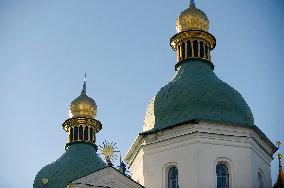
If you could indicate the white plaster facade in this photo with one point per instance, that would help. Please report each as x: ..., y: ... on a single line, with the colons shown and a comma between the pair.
x: 195, y: 149
x: 106, y: 177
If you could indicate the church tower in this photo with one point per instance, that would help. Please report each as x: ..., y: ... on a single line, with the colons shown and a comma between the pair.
x: 80, y: 158
x: 199, y: 131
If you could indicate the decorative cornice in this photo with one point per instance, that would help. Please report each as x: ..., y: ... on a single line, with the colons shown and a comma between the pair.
x: 82, y: 121
x: 257, y: 131
x: 192, y: 35
x: 200, y: 131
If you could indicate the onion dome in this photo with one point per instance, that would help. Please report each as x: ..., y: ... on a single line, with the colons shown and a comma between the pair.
x: 80, y: 157
x: 79, y: 160
x: 83, y: 106
x: 192, y: 19
x: 195, y: 93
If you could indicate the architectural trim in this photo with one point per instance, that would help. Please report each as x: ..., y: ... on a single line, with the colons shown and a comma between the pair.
x: 106, y: 177
x: 244, y: 136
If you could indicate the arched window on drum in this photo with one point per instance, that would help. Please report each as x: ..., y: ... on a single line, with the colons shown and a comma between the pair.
x: 222, y: 175
x: 173, y: 177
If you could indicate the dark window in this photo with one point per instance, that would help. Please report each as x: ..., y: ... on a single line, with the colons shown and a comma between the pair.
x: 173, y: 178
x: 195, y: 48
x: 91, y: 134
x: 86, y: 134
x: 189, y: 49
x: 71, y: 135
x: 206, y: 51
x: 222, y: 176
x: 183, y: 50
x: 201, y: 49
x: 80, y: 133
x: 75, y: 133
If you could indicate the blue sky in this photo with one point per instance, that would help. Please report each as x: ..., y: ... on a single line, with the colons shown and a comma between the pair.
x: 123, y: 46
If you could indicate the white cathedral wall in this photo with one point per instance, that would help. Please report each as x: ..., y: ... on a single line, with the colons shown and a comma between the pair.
x: 196, y: 149
x: 262, y: 167
x: 138, y: 168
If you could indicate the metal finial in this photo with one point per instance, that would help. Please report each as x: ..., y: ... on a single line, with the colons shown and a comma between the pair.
x: 192, y: 3
x: 84, y: 90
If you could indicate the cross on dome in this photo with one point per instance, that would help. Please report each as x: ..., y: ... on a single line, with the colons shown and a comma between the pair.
x: 84, y: 90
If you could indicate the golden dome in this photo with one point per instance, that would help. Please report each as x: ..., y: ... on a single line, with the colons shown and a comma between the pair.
x: 83, y: 106
x: 192, y: 19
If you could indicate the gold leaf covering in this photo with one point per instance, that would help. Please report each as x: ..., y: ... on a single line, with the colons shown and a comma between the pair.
x: 192, y: 19
x: 83, y: 106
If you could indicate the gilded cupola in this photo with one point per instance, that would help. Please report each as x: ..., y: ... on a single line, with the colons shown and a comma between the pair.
x: 192, y: 18
x: 82, y: 125
x: 193, y: 41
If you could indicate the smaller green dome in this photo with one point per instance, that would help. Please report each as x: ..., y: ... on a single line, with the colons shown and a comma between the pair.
x: 79, y: 160
x: 196, y: 93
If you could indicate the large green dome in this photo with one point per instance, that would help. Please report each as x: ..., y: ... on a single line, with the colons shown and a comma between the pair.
x: 80, y: 159
x: 196, y: 93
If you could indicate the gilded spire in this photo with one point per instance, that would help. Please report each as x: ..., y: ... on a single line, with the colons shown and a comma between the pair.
x: 83, y: 106
x: 84, y: 90
x: 280, y: 180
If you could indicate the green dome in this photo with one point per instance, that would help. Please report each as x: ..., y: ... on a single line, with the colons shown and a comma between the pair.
x: 196, y: 93
x: 79, y: 160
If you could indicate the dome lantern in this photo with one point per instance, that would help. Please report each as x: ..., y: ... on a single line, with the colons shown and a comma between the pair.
x: 193, y: 41
x: 82, y: 125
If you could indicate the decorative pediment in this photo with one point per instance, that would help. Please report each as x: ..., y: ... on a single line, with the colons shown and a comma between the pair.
x: 106, y: 177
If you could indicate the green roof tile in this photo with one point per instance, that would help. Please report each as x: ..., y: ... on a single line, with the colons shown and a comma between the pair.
x: 197, y: 93
x: 79, y: 160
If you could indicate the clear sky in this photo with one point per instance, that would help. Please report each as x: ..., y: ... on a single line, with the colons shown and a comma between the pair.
x: 123, y: 46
